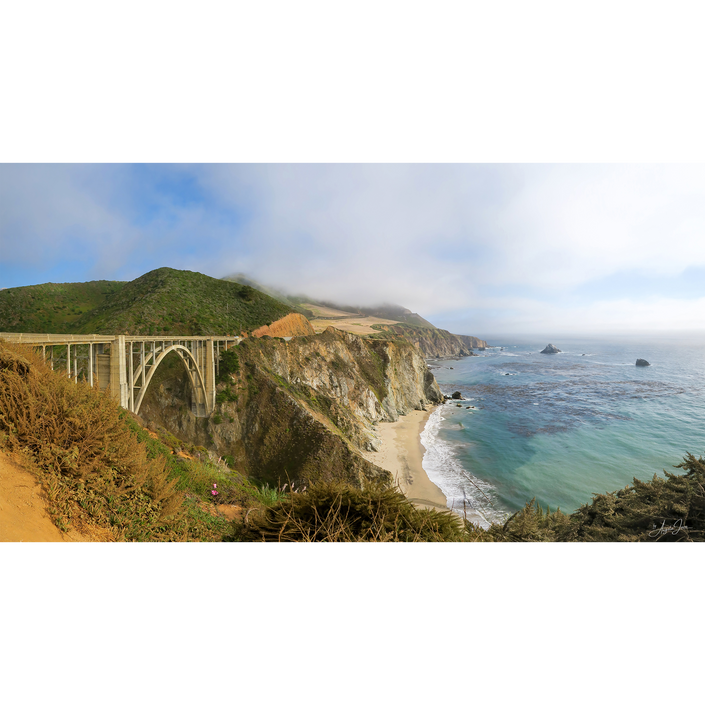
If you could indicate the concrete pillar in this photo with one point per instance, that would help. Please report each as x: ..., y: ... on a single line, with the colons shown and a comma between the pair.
x: 209, y: 376
x: 131, y: 380
x: 118, y: 371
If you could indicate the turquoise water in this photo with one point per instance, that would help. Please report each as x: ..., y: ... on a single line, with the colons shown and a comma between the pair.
x: 562, y: 427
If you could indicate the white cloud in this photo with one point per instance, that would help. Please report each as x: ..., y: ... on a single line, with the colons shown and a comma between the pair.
x: 50, y: 213
x: 508, y: 243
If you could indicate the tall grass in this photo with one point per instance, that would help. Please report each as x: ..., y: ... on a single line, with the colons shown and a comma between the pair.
x: 89, y: 460
x: 333, y: 511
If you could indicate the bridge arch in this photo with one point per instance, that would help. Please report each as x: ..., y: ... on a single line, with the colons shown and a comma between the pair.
x: 185, y: 355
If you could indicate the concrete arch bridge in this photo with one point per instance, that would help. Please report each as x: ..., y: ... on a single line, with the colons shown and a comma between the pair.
x: 125, y: 364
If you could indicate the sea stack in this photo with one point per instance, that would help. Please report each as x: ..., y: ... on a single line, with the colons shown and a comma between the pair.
x: 642, y: 363
x: 550, y: 348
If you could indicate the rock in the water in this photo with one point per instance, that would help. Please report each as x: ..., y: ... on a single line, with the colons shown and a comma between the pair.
x: 456, y: 395
x: 550, y: 348
x: 642, y: 363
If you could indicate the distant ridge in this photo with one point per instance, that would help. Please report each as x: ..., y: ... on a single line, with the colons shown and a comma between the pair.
x: 431, y: 341
x: 393, y: 312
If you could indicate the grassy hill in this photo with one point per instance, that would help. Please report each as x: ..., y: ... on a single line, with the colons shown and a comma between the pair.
x: 292, y: 301
x: 52, y: 308
x: 162, y: 301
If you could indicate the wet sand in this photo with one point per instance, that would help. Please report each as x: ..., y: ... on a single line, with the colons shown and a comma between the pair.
x: 402, y: 454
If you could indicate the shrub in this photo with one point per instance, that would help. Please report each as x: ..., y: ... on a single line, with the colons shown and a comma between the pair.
x: 332, y: 511
x: 86, y: 454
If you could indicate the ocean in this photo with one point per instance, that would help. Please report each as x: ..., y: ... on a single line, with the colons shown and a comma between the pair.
x: 564, y: 426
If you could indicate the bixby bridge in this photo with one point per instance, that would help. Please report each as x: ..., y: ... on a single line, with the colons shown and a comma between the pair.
x: 125, y: 364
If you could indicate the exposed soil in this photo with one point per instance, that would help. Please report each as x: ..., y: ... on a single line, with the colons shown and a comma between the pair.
x: 23, y: 510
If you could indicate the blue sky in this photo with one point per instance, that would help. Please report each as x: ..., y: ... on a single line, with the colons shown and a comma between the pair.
x: 487, y: 250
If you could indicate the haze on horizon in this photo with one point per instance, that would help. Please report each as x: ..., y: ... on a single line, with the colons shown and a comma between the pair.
x: 486, y: 250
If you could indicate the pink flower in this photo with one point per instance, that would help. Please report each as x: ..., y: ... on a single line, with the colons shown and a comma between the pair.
x: 214, y: 485
x: 214, y: 492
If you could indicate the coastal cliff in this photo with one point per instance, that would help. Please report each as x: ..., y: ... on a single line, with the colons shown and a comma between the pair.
x: 301, y: 409
x: 435, y: 342
x: 472, y: 342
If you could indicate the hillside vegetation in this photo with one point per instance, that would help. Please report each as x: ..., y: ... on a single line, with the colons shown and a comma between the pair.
x: 52, y: 308
x: 292, y: 301
x: 159, y: 302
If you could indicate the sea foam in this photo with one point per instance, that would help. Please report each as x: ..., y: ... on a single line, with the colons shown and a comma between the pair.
x: 466, y: 494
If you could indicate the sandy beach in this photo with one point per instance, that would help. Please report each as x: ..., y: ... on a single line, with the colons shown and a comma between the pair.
x: 401, y: 453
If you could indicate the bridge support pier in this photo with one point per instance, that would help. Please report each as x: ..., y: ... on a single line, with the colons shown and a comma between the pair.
x: 118, y: 372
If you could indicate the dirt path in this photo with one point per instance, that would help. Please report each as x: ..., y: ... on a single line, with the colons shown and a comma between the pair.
x: 23, y: 509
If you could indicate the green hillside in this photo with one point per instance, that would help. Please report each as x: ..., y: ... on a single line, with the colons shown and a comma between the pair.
x: 52, y: 308
x: 162, y: 301
x: 278, y: 294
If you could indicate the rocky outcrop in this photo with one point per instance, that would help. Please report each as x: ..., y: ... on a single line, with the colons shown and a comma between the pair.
x: 436, y: 342
x: 642, y: 363
x: 301, y: 409
x: 472, y: 342
x: 550, y: 348
x: 291, y: 325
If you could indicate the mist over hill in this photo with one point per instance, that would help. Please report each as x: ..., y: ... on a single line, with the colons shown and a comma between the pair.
x: 430, y: 340
x: 394, y: 312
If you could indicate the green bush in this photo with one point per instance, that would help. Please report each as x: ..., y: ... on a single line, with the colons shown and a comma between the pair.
x: 78, y: 440
x: 332, y: 511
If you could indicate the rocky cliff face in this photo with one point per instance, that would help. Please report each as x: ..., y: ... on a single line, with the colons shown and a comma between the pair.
x: 437, y: 342
x: 300, y: 409
x: 472, y: 342
x: 291, y: 325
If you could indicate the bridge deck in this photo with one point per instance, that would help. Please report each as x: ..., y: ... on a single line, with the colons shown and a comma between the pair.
x: 62, y: 339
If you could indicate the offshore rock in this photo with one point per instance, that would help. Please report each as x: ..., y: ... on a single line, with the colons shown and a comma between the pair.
x: 456, y: 395
x: 550, y: 348
x: 642, y: 363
